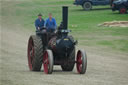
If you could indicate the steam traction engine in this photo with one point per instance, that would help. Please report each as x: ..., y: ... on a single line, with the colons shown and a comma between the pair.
x: 58, y: 50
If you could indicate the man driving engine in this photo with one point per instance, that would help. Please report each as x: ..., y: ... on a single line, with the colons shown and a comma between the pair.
x: 39, y: 22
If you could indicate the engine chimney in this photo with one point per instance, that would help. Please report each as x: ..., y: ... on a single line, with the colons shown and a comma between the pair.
x: 65, y: 17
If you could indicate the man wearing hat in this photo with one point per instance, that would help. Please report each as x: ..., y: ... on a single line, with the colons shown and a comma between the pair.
x: 39, y: 22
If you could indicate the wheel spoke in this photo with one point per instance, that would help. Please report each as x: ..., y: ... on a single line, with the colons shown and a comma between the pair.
x: 80, y: 67
x: 32, y: 51
x: 32, y: 54
x: 46, y: 62
x: 80, y: 61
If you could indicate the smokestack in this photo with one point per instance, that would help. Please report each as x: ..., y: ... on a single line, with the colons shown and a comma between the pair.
x: 65, y: 17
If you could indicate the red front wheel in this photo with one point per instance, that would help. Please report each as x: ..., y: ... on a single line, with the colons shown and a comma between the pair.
x: 81, y: 64
x: 48, y: 62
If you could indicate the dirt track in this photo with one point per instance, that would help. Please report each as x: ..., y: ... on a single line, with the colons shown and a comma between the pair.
x: 104, y: 67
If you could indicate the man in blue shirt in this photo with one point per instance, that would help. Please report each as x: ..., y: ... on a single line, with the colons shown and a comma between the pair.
x: 50, y: 23
x: 39, y: 22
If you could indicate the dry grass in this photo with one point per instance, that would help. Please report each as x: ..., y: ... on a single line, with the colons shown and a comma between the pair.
x: 115, y: 24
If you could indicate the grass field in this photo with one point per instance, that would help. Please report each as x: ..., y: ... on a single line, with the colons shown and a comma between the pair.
x: 84, y: 24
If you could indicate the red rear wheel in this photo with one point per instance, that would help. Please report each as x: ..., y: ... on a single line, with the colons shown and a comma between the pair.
x: 81, y: 62
x: 48, y: 61
x: 35, y: 56
x: 30, y: 53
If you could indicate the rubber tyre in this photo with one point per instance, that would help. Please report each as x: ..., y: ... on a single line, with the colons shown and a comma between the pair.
x: 81, y: 64
x: 123, y: 10
x: 35, y: 62
x: 48, y: 62
x: 87, y: 6
x: 69, y: 66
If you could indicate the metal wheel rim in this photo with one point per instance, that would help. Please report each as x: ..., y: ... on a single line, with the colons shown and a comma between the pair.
x: 123, y: 10
x: 30, y: 54
x: 46, y: 62
x: 79, y: 62
x: 87, y: 6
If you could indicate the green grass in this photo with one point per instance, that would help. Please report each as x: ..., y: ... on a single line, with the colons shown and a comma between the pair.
x: 84, y: 24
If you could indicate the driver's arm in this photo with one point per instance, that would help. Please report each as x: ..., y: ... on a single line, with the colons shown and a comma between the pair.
x: 36, y: 25
x: 55, y: 25
x: 43, y: 27
x: 45, y: 23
